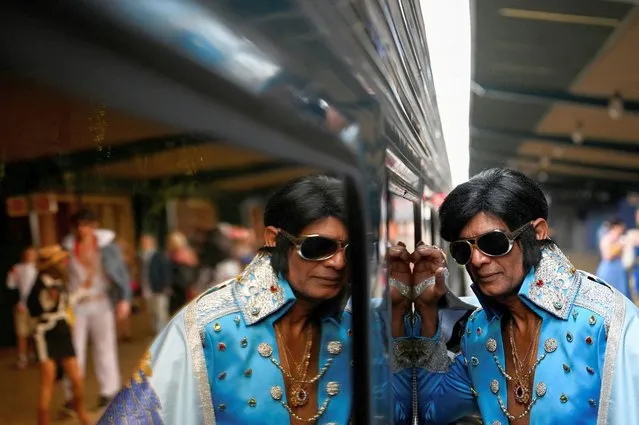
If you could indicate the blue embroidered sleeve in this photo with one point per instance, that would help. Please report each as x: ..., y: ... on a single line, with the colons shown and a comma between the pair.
x: 444, y: 388
x: 403, y: 393
x: 163, y: 389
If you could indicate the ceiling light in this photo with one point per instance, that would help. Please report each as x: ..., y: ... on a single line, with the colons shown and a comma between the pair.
x: 615, y: 106
x: 542, y: 177
x: 563, y: 18
x: 578, y: 135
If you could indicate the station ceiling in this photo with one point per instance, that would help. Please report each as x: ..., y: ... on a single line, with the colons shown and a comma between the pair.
x: 544, y: 75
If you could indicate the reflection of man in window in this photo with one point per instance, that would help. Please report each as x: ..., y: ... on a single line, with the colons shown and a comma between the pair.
x: 549, y: 345
x: 271, y: 346
x: 96, y: 264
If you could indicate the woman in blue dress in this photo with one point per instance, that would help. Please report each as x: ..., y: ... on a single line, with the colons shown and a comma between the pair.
x: 611, y: 268
x: 631, y: 260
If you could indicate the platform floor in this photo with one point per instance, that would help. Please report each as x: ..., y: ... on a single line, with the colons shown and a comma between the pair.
x: 20, y: 387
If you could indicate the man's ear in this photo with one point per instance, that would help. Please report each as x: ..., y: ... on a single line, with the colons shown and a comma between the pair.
x: 541, y: 229
x: 270, y: 236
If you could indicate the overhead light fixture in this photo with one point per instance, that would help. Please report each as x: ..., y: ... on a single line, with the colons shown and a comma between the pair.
x: 562, y: 18
x: 615, y: 106
x: 578, y: 135
x: 542, y: 177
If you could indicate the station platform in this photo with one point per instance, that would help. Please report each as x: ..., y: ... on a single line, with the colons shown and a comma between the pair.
x: 21, y: 387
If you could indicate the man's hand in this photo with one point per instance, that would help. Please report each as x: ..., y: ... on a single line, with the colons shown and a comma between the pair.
x: 429, y: 261
x: 399, y: 269
x: 122, y: 310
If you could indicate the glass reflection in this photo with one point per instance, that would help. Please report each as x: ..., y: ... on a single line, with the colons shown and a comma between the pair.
x: 151, y: 218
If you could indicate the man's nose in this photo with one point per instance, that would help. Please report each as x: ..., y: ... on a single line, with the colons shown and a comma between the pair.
x: 478, y: 258
x: 337, y: 261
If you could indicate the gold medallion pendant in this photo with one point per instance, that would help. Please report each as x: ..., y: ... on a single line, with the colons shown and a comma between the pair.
x: 299, y: 396
x: 521, y: 393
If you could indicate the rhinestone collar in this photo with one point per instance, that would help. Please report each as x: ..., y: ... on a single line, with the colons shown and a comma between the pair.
x: 552, y: 286
x: 261, y: 293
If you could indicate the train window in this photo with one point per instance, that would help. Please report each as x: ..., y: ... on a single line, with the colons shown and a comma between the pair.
x: 74, y: 166
x: 426, y: 224
x: 401, y: 225
x: 168, y: 127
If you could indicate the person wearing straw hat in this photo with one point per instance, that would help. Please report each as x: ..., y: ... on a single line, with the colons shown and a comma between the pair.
x: 50, y: 303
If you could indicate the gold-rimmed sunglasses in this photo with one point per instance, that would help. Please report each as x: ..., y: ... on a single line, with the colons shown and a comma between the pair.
x: 495, y: 243
x: 315, y: 247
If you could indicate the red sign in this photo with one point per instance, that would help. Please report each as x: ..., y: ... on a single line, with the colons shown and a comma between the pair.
x: 44, y: 203
x: 17, y: 206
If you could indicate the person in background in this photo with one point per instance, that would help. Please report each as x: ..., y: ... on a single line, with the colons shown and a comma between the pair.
x: 50, y: 304
x: 123, y: 324
x: 630, y: 259
x: 96, y: 263
x: 602, y: 230
x: 147, y: 249
x: 229, y: 267
x: 159, y: 275
x: 213, y: 250
x: 611, y: 268
x: 22, y: 278
x: 184, y: 269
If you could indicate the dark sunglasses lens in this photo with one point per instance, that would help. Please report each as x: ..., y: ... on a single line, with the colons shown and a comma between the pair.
x: 460, y: 252
x: 495, y: 243
x: 318, y: 247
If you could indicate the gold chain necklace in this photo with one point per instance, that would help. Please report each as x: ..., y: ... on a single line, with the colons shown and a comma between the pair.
x: 522, y: 378
x: 298, y: 392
